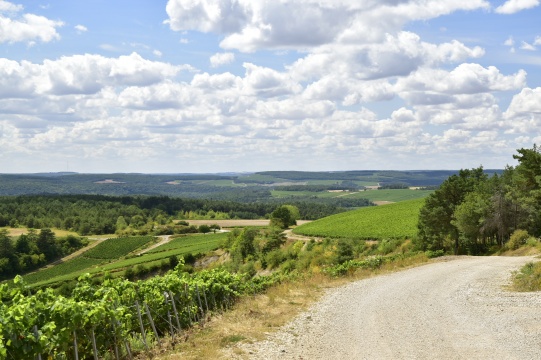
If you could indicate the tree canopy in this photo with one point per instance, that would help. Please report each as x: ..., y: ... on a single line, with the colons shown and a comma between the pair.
x: 471, y: 212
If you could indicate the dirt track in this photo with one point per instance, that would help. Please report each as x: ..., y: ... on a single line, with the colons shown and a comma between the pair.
x: 446, y: 310
x: 237, y: 223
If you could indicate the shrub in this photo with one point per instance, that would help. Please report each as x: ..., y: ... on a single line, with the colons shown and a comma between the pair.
x: 433, y: 254
x: 129, y: 273
x: 274, y: 258
x: 518, y: 238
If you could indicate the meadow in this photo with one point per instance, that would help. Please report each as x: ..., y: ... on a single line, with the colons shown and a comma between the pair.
x: 392, y: 221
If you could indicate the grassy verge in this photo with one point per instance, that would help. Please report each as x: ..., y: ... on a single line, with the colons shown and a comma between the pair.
x: 253, y: 317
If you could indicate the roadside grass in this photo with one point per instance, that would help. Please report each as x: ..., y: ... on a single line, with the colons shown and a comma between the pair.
x: 528, y: 278
x: 253, y: 317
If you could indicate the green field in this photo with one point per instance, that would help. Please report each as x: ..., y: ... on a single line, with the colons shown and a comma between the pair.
x: 392, y: 195
x: 397, y: 220
x: 110, y: 255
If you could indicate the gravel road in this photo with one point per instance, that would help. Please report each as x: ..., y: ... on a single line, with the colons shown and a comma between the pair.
x: 447, y: 310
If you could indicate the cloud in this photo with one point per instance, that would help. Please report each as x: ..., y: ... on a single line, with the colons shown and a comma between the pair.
x: 26, y: 27
x: 514, y: 6
x: 395, y: 56
x: 528, y: 47
x: 464, y: 79
x: 509, y: 42
x: 528, y: 101
x: 220, y: 59
x: 250, y: 25
x: 6, y: 6
x: 523, y: 116
x: 79, y: 74
x: 81, y: 29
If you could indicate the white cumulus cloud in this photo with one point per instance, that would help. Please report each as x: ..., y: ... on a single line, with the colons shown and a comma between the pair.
x: 15, y: 27
x: 514, y: 6
x: 249, y: 25
x: 220, y: 59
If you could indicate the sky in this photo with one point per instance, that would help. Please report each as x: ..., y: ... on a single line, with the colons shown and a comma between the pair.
x: 208, y: 86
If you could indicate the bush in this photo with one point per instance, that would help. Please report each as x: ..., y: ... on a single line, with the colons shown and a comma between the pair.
x: 518, y: 238
x: 129, y: 273
x: 274, y: 258
x: 433, y: 254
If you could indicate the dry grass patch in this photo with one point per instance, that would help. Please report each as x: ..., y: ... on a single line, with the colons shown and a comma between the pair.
x: 23, y: 230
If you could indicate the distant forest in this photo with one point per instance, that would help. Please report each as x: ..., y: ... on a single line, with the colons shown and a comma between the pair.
x: 98, y: 214
x: 239, y: 188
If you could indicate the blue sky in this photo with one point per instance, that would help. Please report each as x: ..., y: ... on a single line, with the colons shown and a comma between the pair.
x: 250, y: 85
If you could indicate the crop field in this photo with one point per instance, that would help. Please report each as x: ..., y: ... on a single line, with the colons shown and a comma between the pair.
x: 109, y: 256
x: 115, y: 248
x: 71, y: 267
x: 319, y: 194
x: 196, y: 243
x: 106, y: 251
x: 392, y: 195
x: 391, y: 221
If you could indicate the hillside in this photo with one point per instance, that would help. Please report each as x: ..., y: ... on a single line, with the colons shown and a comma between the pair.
x: 398, y: 220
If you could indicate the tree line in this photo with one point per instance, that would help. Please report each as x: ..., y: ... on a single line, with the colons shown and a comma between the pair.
x: 33, y: 250
x: 472, y: 212
x: 98, y: 214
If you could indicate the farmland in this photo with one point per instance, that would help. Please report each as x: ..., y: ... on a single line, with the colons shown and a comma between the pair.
x: 391, y: 195
x: 113, y: 255
x: 397, y: 220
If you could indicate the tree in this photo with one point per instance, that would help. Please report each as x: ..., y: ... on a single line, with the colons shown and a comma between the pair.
x: 282, y: 217
x: 244, y: 245
x: 526, y: 189
x: 204, y: 228
x: 46, y: 243
x: 437, y: 216
x: 8, y: 259
x: 274, y: 238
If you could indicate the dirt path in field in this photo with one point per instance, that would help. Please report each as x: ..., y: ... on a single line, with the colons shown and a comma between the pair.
x: 447, y: 310
x: 164, y: 239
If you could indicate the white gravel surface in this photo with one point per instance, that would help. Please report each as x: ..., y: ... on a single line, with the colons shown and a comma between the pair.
x: 447, y: 310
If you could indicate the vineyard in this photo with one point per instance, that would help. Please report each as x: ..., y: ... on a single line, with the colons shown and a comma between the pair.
x: 105, y: 251
x: 111, y: 256
x: 114, y: 320
x: 391, y: 221
x: 193, y: 243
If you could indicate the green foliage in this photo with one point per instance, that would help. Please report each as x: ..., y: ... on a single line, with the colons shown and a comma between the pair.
x: 381, y: 222
x: 44, y: 323
x: 517, y: 239
x: 476, y: 213
x: 434, y: 254
x: 284, y: 216
x: 33, y: 250
x: 437, y: 215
